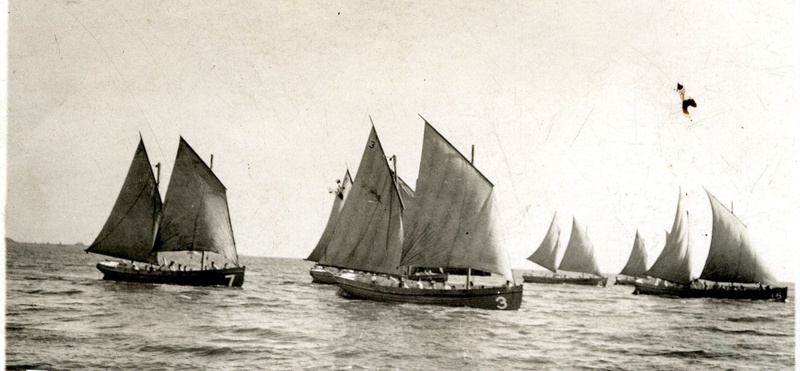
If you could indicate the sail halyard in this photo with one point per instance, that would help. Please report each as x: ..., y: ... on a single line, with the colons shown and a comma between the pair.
x: 128, y: 231
x: 549, y: 253
x: 452, y: 221
x: 637, y: 261
x: 579, y: 255
x: 338, y: 202
x: 731, y: 255
x: 674, y: 262
x: 369, y: 233
x: 195, y: 215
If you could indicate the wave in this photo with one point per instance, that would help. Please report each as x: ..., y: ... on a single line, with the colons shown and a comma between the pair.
x: 52, y: 292
x: 195, y: 350
x: 750, y: 319
x: 742, y: 331
x: 690, y: 354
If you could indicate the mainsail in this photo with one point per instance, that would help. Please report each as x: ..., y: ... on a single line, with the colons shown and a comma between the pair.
x: 452, y: 222
x: 674, y: 263
x: 549, y: 253
x: 196, y: 216
x: 731, y: 257
x: 128, y: 232
x: 579, y: 256
x: 637, y: 262
x: 369, y: 234
x: 338, y: 202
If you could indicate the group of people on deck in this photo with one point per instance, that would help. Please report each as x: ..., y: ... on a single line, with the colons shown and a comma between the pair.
x: 171, y: 267
x: 403, y: 282
x: 698, y: 285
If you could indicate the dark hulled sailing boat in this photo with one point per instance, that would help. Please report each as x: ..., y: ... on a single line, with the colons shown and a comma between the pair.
x: 732, y: 260
x: 368, y: 236
x: 450, y: 224
x: 195, y: 217
x: 320, y: 273
x: 578, y: 257
x: 636, y: 265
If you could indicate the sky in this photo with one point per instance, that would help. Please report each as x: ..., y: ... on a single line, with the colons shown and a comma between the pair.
x: 571, y: 107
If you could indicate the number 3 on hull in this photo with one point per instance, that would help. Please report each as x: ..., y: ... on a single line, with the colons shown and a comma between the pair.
x: 501, y: 303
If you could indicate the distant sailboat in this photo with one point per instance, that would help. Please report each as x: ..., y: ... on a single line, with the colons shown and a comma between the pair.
x: 636, y: 265
x: 578, y: 257
x: 731, y: 259
x: 194, y: 218
x: 320, y: 273
x: 451, y: 224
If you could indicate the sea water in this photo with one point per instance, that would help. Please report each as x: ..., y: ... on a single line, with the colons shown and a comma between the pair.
x: 60, y: 314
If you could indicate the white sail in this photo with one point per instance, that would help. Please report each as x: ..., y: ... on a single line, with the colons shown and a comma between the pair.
x: 674, y: 263
x: 452, y: 222
x: 549, y: 253
x: 637, y: 262
x: 129, y: 230
x: 338, y: 202
x: 196, y: 216
x: 732, y: 257
x: 579, y: 256
x: 369, y: 234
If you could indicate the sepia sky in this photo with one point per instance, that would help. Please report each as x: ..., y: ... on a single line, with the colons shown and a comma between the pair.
x: 570, y: 105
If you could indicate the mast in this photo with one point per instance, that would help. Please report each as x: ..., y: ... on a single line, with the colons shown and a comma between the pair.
x: 471, y: 161
x: 203, y: 253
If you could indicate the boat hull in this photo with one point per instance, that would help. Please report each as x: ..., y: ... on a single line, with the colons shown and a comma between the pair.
x: 497, y: 297
x: 776, y: 293
x: 233, y: 277
x: 587, y: 281
x: 322, y: 276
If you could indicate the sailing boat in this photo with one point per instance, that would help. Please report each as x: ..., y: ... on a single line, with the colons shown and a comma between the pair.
x: 578, y: 257
x: 451, y: 224
x: 368, y: 236
x: 320, y: 273
x: 731, y: 259
x: 195, y: 217
x: 636, y: 265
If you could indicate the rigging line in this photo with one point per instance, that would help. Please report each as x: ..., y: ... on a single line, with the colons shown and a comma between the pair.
x: 582, y: 125
x: 125, y: 82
